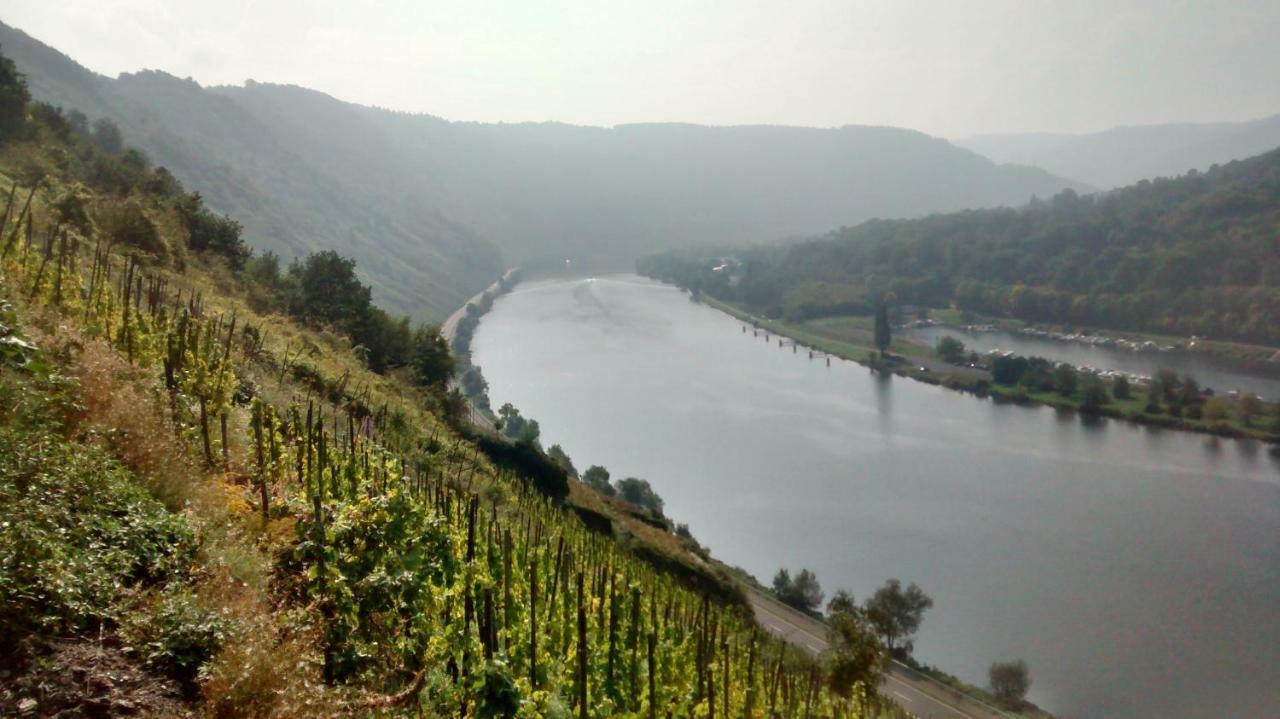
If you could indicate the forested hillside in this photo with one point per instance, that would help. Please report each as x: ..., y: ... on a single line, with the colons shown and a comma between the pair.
x: 234, y: 489
x: 292, y: 195
x: 1195, y: 255
x: 1125, y: 155
x: 418, y: 200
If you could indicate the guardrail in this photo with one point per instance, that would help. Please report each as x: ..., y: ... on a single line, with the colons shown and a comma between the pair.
x: 921, y: 676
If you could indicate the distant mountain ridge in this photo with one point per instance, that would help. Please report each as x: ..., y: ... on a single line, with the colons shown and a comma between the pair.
x: 417, y: 262
x: 432, y: 209
x: 1125, y: 155
x: 1194, y: 255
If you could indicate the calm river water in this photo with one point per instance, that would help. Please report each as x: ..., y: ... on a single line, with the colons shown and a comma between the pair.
x: 1136, y: 570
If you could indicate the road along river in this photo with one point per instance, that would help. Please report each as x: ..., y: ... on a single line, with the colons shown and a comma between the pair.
x: 1136, y: 570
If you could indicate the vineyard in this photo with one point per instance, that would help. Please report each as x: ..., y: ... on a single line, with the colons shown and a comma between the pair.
x: 418, y: 569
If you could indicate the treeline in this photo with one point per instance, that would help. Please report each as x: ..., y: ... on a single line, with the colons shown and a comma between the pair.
x: 323, y: 290
x: 426, y: 592
x: 117, y: 193
x: 1193, y: 255
x: 411, y: 568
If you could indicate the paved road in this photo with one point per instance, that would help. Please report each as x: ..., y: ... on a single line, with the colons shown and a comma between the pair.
x: 450, y: 325
x: 920, y: 696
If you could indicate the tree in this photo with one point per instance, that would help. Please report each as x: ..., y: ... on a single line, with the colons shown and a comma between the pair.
x: 1120, y: 388
x: 1189, y: 391
x: 474, y: 383
x: 638, y: 492
x: 1215, y: 410
x: 1094, y: 396
x: 597, y: 478
x: 1166, y: 381
x: 388, y: 341
x: 106, y: 135
x: 1009, y: 682
x: 854, y: 655
x: 208, y: 232
x: 264, y: 269
x: 430, y: 359
x: 71, y: 210
x: 842, y: 601
x: 1250, y: 407
x: 327, y: 290
x: 1008, y: 370
x: 883, y: 332
x: 127, y: 224
x: 950, y: 349
x: 1154, y: 394
x: 78, y: 122
x: 803, y: 592
x: 521, y: 429
x: 162, y: 183
x: 557, y: 454
x: 14, y: 97
x: 1065, y: 379
x: 897, y: 613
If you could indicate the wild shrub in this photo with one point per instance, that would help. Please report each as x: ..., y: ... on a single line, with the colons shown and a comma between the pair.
x: 177, y: 634
x: 76, y: 533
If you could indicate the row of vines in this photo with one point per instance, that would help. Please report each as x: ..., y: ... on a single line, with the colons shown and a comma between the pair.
x: 446, y: 582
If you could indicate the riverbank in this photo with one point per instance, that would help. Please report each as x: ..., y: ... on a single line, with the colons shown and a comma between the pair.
x: 926, y: 692
x: 926, y: 486
x: 483, y: 299
x: 458, y: 331
x: 920, y: 362
x: 1241, y: 355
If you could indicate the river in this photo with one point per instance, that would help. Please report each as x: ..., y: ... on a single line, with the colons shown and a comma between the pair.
x: 1208, y: 371
x: 1136, y: 570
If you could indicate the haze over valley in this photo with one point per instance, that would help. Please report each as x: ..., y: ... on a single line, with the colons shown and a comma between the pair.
x: 539, y: 360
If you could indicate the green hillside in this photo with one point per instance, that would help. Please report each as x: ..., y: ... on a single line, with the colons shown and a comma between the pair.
x: 1194, y: 255
x: 292, y: 197
x: 232, y: 489
x: 421, y: 202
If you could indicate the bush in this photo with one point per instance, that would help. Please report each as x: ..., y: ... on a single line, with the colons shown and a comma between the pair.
x: 1009, y: 682
x: 177, y: 636
x: 126, y: 223
x: 950, y: 349
x: 803, y: 592
x: 1094, y: 396
x: 597, y: 478
x: 208, y: 232
x: 385, y: 557
x: 76, y: 533
x: 639, y: 493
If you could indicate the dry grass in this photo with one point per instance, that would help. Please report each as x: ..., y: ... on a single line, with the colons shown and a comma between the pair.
x: 268, y: 666
x: 271, y: 665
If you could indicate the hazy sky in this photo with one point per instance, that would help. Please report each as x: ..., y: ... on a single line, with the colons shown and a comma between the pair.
x: 951, y: 67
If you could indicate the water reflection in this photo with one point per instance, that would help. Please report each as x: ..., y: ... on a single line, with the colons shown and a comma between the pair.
x: 1094, y: 422
x: 1134, y: 567
x: 883, y: 381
